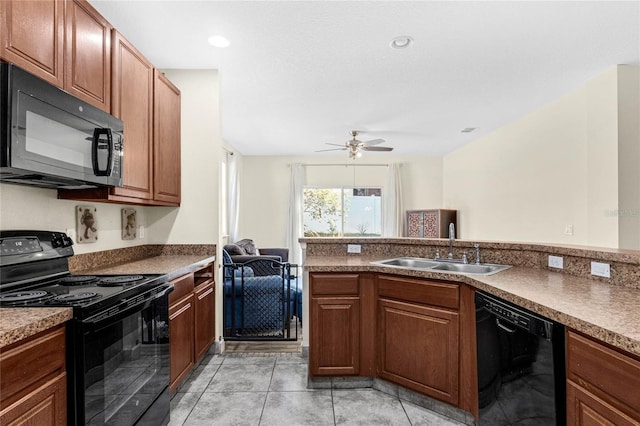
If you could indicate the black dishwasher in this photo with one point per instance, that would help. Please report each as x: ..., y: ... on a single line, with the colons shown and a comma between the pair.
x: 521, y: 365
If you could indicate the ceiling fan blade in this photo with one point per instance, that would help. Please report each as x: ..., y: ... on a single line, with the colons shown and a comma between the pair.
x: 377, y: 148
x: 332, y: 149
x: 373, y: 142
x: 335, y: 144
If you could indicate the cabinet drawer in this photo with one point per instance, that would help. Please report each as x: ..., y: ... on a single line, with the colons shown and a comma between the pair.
x: 600, y: 369
x: 31, y: 361
x: 181, y: 287
x: 334, y: 284
x: 424, y: 292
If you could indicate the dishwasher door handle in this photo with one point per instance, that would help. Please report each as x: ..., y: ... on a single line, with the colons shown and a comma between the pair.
x: 504, y: 327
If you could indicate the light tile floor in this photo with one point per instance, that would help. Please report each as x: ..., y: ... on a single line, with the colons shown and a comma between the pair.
x: 272, y: 390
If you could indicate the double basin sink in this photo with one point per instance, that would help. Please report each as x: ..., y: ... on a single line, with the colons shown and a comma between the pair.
x: 442, y: 265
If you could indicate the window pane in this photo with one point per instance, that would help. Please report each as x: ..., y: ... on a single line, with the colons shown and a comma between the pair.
x: 362, y: 212
x: 322, y: 212
x: 334, y: 212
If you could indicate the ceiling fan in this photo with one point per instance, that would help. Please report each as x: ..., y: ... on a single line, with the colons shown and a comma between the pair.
x: 355, y: 146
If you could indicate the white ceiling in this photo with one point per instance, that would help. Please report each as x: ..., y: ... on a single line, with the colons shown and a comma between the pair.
x: 299, y: 74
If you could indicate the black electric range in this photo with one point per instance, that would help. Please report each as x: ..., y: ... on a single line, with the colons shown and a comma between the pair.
x: 117, y: 340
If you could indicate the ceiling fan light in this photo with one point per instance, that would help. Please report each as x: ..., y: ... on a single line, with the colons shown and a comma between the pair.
x: 359, y: 154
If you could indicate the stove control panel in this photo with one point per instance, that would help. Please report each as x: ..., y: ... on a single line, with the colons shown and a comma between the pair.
x: 15, y: 245
x: 22, y: 247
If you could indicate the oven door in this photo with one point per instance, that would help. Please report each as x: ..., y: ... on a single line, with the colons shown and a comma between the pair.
x: 125, y: 361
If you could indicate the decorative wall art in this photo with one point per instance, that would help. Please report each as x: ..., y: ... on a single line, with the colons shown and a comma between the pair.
x: 129, y: 224
x: 86, y: 224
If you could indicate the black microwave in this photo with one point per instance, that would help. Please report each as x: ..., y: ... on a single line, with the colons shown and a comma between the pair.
x: 51, y: 139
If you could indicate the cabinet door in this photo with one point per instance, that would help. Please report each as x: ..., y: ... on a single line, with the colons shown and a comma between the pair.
x: 45, y: 405
x: 181, y: 339
x: 334, y: 347
x: 87, y: 54
x: 166, y: 136
x: 32, y: 34
x: 418, y: 348
x: 205, y: 318
x: 132, y: 102
x: 586, y: 409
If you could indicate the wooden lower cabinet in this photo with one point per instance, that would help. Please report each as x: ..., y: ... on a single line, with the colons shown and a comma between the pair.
x: 602, y: 384
x: 417, y: 333
x: 340, y: 345
x: 191, y: 322
x: 181, y: 349
x: 204, y: 299
x: 33, y: 385
x: 335, y: 336
x: 418, y: 348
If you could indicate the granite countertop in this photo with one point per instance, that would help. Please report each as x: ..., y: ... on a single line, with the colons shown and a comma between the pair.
x: 173, y: 266
x: 610, y: 313
x: 19, y: 323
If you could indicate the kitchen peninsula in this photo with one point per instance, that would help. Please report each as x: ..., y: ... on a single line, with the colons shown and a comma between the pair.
x: 599, y: 314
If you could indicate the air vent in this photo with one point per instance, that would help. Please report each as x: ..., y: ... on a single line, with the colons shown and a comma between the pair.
x: 467, y: 130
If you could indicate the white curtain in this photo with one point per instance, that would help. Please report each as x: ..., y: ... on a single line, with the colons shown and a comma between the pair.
x: 392, y: 209
x: 294, y: 228
x: 233, y: 194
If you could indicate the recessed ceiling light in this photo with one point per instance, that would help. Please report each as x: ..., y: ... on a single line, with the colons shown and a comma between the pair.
x: 467, y: 130
x: 401, y: 42
x: 218, y: 41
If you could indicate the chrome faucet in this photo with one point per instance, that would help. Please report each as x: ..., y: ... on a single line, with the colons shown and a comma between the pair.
x: 477, y: 247
x: 452, y: 236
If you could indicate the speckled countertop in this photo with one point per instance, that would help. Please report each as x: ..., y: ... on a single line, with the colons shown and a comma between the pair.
x: 606, y: 312
x: 19, y: 323
x: 171, y: 265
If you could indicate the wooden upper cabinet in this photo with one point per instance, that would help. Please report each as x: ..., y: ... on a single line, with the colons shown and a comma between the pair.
x: 32, y: 34
x: 88, y: 54
x: 67, y: 43
x: 166, y: 135
x: 132, y: 102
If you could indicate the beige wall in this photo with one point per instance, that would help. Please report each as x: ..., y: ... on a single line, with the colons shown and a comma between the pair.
x: 629, y: 156
x: 558, y: 166
x: 265, y: 184
x: 22, y: 207
x: 196, y: 221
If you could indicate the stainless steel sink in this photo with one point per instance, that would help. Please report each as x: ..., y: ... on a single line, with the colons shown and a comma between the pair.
x: 442, y: 265
x: 409, y: 262
x: 471, y: 268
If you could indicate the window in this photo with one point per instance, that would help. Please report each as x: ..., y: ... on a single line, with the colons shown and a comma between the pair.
x: 342, y: 212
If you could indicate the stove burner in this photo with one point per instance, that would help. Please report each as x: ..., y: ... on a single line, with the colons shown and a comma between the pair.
x: 75, y: 297
x: 119, y: 280
x: 22, y: 296
x: 78, y: 279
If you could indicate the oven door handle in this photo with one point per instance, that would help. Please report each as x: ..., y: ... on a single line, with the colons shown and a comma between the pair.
x: 123, y: 310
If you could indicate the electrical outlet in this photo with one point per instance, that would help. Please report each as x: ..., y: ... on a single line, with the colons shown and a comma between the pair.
x: 354, y: 248
x: 141, y: 232
x: 556, y: 262
x: 601, y: 269
x: 568, y: 230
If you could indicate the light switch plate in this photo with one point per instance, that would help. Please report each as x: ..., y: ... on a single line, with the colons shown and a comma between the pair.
x: 354, y: 248
x: 601, y: 269
x: 556, y: 262
x: 141, y: 231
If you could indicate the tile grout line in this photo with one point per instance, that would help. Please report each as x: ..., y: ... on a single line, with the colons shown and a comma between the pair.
x: 333, y: 408
x: 266, y: 396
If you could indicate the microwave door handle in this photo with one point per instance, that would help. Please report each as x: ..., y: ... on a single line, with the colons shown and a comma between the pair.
x: 94, y: 151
